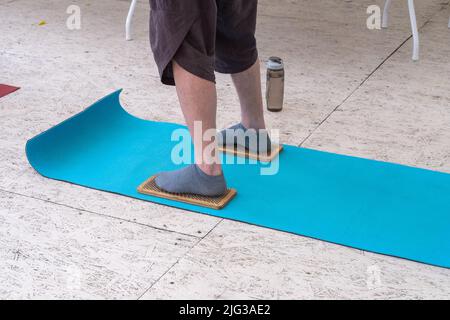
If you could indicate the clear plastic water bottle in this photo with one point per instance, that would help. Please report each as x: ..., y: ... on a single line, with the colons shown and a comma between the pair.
x: 275, y: 84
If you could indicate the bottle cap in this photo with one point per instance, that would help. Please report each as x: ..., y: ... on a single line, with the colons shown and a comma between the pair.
x: 275, y: 63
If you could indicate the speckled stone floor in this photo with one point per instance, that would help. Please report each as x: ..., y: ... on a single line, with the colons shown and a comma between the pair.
x: 349, y: 90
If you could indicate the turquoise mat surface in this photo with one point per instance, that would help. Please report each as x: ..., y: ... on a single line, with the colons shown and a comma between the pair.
x: 370, y: 205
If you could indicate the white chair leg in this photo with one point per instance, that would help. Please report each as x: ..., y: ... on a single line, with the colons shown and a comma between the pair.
x: 129, y: 18
x: 415, y: 31
x: 387, y: 6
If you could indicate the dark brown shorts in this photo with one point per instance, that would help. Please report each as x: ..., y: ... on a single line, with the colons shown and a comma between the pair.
x: 203, y: 36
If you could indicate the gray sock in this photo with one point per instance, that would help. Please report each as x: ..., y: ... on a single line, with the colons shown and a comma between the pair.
x: 256, y: 141
x: 191, y: 179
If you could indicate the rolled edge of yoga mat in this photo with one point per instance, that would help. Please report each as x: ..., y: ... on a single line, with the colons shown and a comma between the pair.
x: 37, y: 148
x: 364, y: 204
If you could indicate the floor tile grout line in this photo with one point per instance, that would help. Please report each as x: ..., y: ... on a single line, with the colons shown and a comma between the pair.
x: 218, y: 222
x: 179, y: 259
x: 352, y: 92
x: 364, y: 81
x: 101, y: 214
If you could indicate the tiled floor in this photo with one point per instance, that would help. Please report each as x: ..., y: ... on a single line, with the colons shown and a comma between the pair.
x: 349, y: 90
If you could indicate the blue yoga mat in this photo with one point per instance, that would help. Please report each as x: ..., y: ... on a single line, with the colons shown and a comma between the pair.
x: 370, y: 205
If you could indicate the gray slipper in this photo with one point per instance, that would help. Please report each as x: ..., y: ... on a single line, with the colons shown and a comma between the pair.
x: 193, y: 180
x: 255, y: 141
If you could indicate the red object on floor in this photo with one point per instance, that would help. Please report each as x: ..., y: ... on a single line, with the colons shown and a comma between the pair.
x: 5, y: 89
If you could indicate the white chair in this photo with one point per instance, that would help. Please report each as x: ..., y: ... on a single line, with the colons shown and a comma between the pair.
x: 412, y: 17
x: 129, y: 18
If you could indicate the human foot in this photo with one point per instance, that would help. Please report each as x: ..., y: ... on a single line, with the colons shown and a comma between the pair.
x: 191, y: 179
x: 240, y: 135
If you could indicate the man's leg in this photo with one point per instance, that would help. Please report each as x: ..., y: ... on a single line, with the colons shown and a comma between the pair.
x: 248, y: 87
x: 183, y: 49
x: 237, y: 54
x: 198, y: 100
